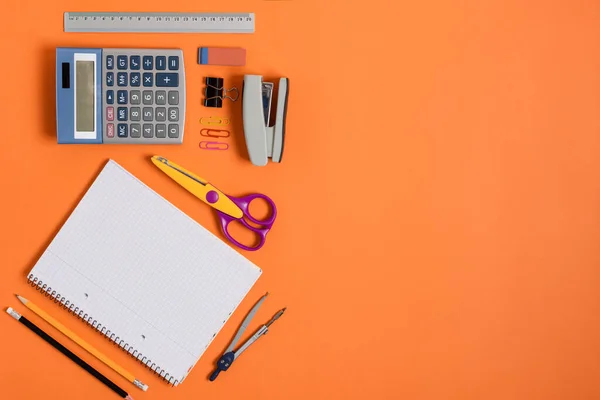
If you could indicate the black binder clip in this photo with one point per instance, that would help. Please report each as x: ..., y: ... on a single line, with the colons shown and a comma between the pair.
x: 215, y: 92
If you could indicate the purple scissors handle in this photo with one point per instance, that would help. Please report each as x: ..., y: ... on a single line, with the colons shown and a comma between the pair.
x: 244, y: 204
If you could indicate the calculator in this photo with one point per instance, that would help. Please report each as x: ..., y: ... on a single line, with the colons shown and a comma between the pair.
x: 120, y: 96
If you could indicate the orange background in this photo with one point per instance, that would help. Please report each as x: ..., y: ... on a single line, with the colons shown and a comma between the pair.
x: 439, y: 198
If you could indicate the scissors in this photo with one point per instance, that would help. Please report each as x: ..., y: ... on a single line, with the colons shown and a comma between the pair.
x: 228, y: 208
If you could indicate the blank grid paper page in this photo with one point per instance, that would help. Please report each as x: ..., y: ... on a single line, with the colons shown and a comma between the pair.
x: 134, y: 263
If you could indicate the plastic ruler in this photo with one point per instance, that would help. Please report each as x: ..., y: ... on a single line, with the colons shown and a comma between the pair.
x: 159, y: 22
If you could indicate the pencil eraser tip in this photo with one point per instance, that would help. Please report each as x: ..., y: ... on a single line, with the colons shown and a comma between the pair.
x: 13, y: 313
x: 140, y: 384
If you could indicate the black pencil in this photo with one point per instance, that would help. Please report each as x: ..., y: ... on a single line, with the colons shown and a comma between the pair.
x: 68, y: 353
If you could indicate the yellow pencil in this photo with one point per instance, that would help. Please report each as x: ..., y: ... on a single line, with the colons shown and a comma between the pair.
x: 88, y: 347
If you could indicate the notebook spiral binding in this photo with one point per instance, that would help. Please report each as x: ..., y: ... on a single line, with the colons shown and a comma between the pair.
x: 88, y: 319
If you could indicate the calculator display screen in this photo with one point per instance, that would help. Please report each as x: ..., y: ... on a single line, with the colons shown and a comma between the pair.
x: 85, y: 96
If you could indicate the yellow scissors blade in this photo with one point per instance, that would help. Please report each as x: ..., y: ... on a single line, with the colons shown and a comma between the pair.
x: 199, y: 187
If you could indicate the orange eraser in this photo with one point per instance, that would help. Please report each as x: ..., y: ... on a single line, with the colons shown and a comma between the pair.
x: 221, y: 56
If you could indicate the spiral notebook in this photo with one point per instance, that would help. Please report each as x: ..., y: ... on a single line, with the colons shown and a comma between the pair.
x: 144, y: 274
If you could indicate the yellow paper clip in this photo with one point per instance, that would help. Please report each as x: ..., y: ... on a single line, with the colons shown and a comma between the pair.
x: 213, y: 146
x: 214, y: 121
x: 215, y: 133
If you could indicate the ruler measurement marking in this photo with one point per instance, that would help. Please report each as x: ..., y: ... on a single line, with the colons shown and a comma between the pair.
x: 159, y: 22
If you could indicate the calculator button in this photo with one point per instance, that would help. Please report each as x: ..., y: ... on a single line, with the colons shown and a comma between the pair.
x: 173, y: 114
x: 134, y: 62
x: 110, y: 97
x: 161, y: 62
x: 110, y: 62
x: 110, y: 130
x: 134, y: 79
x: 110, y: 113
x: 122, y: 113
x: 147, y: 97
x: 161, y: 114
x: 122, y: 62
x: 170, y: 79
x: 173, y: 130
x: 135, y: 97
x: 122, y: 78
x: 110, y: 78
x: 122, y: 130
x: 161, y: 97
x: 122, y: 96
x: 161, y: 131
x: 173, y: 97
x: 148, y: 62
x: 136, y: 130
x: 148, y: 79
x: 173, y: 63
x: 148, y: 130
x: 147, y: 113
x: 135, y: 114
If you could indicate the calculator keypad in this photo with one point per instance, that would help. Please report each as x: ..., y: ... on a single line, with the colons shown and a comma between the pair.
x: 161, y: 131
x: 122, y: 62
x: 161, y: 63
x: 122, y: 130
x: 144, y: 96
x: 122, y: 96
x: 135, y: 79
x: 148, y: 79
x: 134, y: 62
x: 136, y: 131
x: 161, y: 114
x: 136, y: 97
x: 122, y: 78
x: 135, y: 113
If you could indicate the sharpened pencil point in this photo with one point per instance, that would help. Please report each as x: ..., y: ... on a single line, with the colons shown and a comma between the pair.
x: 128, y: 397
x: 22, y: 299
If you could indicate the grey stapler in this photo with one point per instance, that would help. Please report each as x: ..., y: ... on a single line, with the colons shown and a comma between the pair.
x: 264, y: 141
